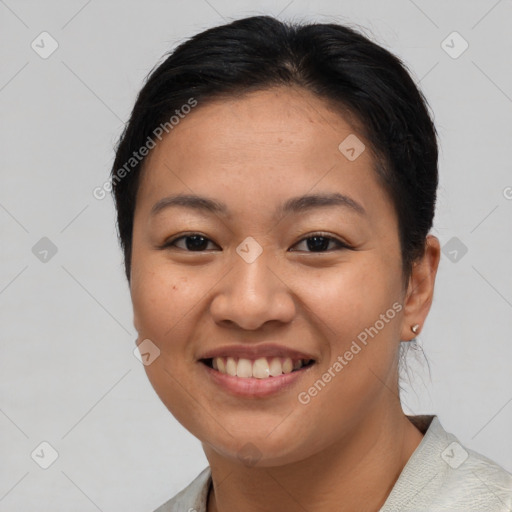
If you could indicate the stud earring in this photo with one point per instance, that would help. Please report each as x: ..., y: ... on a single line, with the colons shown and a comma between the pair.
x: 415, y: 328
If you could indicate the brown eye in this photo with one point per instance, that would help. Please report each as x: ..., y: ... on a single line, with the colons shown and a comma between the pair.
x: 320, y: 243
x: 194, y: 242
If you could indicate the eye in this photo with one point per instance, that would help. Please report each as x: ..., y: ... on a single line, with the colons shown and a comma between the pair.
x: 319, y: 242
x: 194, y: 242
x: 316, y: 242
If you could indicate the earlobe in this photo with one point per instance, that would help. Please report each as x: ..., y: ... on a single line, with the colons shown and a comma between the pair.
x: 420, y: 290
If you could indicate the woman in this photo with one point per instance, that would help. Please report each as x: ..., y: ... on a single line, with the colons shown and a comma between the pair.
x: 275, y: 188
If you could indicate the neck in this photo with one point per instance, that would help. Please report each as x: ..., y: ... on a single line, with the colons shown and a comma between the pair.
x: 359, y: 469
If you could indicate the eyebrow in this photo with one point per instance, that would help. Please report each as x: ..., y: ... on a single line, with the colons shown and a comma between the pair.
x: 298, y: 204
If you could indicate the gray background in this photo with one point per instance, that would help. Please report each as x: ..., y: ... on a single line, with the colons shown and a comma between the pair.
x: 67, y: 370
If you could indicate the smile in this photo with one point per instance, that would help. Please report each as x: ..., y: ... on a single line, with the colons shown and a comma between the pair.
x: 260, y: 368
x: 255, y: 378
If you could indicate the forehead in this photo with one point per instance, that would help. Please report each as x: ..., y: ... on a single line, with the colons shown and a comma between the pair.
x: 259, y: 147
x: 290, y: 120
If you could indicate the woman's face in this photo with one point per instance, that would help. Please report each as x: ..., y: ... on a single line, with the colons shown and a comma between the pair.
x: 254, y: 283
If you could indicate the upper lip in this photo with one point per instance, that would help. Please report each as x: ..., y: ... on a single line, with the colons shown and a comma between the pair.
x: 255, y: 352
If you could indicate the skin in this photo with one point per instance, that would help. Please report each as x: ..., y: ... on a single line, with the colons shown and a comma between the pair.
x: 345, y: 449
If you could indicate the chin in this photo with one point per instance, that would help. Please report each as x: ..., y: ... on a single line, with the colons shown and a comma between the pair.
x: 259, y: 450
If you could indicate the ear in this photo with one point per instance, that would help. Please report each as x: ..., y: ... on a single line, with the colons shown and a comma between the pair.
x: 420, y: 289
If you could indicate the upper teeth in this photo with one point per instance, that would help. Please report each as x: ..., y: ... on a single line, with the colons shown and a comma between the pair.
x: 260, y: 368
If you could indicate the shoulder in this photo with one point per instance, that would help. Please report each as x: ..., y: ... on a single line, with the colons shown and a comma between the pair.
x: 192, y: 498
x: 475, y: 481
x: 443, y: 475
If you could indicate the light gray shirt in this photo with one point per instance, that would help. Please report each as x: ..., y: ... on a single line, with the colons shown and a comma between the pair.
x: 441, y: 475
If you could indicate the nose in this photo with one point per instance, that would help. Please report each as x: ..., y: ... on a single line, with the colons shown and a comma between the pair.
x: 252, y: 294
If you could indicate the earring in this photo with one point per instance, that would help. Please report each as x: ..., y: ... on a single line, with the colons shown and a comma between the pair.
x: 415, y: 328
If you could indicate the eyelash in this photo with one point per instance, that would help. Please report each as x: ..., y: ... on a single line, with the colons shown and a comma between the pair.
x: 341, y: 245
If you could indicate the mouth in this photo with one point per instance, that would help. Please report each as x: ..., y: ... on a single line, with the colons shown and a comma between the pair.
x: 256, y: 378
x: 259, y: 368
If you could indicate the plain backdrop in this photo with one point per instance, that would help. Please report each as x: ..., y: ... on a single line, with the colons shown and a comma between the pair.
x: 67, y: 370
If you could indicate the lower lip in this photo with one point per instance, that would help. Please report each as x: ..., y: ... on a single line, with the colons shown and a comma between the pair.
x: 250, y: 387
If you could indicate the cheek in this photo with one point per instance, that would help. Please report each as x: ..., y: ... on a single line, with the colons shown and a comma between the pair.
x: 168, y: 308
x: 160, y: 296
x: 157, y: 310
x: 350, y: 297
x: 357, y: 309
x: 162, y: 300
